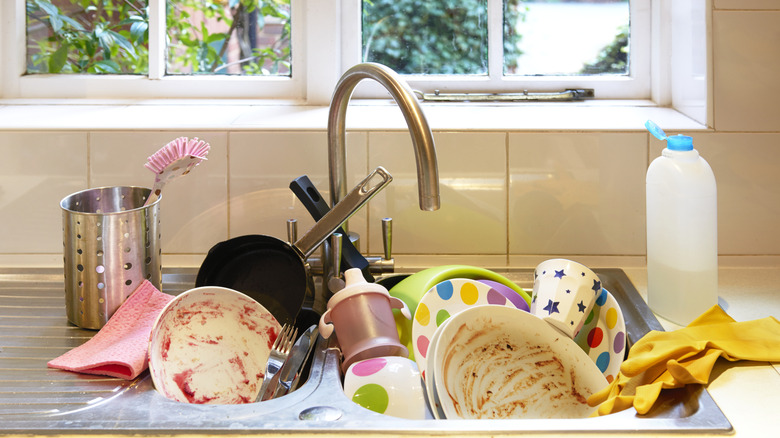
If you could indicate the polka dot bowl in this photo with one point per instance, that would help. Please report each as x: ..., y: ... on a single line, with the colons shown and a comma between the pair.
x: 441, y: 302
x: 388, y: 385
x: 603, y: 336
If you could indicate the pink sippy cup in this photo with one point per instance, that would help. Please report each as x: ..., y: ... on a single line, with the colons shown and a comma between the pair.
x: 362, y: 316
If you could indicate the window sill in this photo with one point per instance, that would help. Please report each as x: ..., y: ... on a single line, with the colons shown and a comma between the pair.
x: 243, y: 115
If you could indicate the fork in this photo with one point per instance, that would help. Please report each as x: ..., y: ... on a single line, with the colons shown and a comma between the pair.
x: 279, y: 352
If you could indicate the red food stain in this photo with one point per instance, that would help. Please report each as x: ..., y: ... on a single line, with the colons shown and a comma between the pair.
x: 182, y: 380
x: 271, y: 333
x: 166, y: 346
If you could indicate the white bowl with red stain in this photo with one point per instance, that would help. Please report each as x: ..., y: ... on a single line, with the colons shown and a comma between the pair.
x: 210, y: 345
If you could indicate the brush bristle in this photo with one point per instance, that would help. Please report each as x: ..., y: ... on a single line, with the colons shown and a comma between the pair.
x: 181, y: 147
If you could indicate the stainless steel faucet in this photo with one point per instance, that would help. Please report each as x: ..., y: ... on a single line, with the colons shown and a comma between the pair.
x: 422, y: 137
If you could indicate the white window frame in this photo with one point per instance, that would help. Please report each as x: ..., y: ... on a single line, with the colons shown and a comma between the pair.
x: 636, y: 85
x: 155, y: 84
x: 321, y: 53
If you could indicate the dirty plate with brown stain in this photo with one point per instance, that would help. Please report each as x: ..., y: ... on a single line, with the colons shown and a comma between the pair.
x: 496, y: 362
x: 210, y: 345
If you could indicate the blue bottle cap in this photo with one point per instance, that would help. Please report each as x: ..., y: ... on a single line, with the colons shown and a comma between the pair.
x: 679, y: 143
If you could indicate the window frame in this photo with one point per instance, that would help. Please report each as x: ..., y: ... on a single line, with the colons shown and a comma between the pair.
x: 636, y: 85
x: 320, y: 54
x: 153, y: 85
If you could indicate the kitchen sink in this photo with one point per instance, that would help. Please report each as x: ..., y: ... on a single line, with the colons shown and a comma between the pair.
x: 37, y: 399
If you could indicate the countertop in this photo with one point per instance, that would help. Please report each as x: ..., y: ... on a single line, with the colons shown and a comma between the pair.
x: 748, y: 289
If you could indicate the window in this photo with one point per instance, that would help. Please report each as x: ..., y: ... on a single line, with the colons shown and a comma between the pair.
x: 493, y: 41
x: 511, y: 45
x: 245, y: 37
x: 151, y: 48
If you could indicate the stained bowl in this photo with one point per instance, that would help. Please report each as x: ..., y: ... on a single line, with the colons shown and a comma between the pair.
x: 494, y: 362
x: 210, y: 345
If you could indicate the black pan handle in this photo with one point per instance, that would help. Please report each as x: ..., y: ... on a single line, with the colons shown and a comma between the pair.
x: 310, y: 197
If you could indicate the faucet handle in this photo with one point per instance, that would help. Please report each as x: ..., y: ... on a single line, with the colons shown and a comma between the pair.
x: 387, y: 237
x: 384, y: 264
x: 292, y: 230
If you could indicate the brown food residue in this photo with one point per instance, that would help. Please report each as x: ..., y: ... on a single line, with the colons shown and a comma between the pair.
x: 490, y: 374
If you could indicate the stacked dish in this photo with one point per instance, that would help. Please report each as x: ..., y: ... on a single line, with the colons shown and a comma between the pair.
x: 481, y: 356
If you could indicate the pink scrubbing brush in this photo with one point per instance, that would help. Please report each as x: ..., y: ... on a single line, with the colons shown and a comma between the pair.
x: 175, y: 159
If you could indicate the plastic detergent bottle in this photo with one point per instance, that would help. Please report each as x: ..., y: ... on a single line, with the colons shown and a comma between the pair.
x: 682, y: 231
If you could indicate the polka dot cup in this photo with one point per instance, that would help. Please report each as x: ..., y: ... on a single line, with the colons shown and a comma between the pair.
x: 388, y: 385
x: 564, y: 294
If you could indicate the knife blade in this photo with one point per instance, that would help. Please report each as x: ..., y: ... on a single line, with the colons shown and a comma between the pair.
x: 291, y: 371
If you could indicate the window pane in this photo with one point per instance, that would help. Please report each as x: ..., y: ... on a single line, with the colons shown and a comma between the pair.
x: 584, y: 37
x: 242, y: 37
x: 87, y: 36
x: 540, y: 38
x: 430, y: 37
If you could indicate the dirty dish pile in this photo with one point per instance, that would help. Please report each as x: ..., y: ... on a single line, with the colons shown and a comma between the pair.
x: 210, y: 345
x: 482, y: 356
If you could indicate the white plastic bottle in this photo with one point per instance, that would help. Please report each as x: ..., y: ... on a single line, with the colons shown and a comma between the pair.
x: 682, y: 232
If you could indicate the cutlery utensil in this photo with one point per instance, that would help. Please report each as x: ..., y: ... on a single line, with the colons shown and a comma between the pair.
x: 290, y: 374
x: 276, y: 360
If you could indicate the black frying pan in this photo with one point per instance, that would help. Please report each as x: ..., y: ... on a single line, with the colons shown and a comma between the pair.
x: 310, y: 197
x: 272, y: 271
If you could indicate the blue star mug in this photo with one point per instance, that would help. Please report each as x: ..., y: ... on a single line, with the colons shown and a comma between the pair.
x: 564, y: 294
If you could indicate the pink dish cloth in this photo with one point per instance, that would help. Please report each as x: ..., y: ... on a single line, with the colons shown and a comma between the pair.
x: 119, y: 349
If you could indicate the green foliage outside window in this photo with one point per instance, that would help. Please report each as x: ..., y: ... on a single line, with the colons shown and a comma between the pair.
x: 613, y: 58
x: 437, y: 36
x: 111, y: 36
x: 412, y: 37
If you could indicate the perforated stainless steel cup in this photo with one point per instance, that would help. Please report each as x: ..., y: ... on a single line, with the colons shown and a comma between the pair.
x: 111, y: 244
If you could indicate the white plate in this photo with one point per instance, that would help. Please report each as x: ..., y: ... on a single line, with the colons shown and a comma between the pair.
x: 440, y: 303
x: 430, y: 388
x: 210, y: 345
x: 495, y: 362
x: 603, y: 336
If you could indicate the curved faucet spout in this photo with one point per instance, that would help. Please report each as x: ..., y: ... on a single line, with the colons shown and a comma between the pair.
x: 422, y: 138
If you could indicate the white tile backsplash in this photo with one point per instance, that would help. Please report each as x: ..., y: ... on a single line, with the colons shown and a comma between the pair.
x: 745, y: 62
x: 577, y: 193
x: 262, y: 165
x: 518, y: 183
x: 37, y: 170
x: 193, y: 209
x: 472, y: 174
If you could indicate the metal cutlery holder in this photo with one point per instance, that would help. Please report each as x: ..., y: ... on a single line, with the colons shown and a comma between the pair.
x: 111, y: 244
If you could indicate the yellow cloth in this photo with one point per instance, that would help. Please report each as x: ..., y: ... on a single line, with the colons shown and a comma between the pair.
x: 662, y: 360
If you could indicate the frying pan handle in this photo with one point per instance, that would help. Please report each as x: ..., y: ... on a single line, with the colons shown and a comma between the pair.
x: 326, y: 325
x: 310, y: 197
x: 341, y: 212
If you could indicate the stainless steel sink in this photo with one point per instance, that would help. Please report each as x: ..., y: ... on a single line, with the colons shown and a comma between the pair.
x: 36, y: 399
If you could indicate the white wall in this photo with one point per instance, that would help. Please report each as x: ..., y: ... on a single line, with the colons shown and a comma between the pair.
x: 514, y: 184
